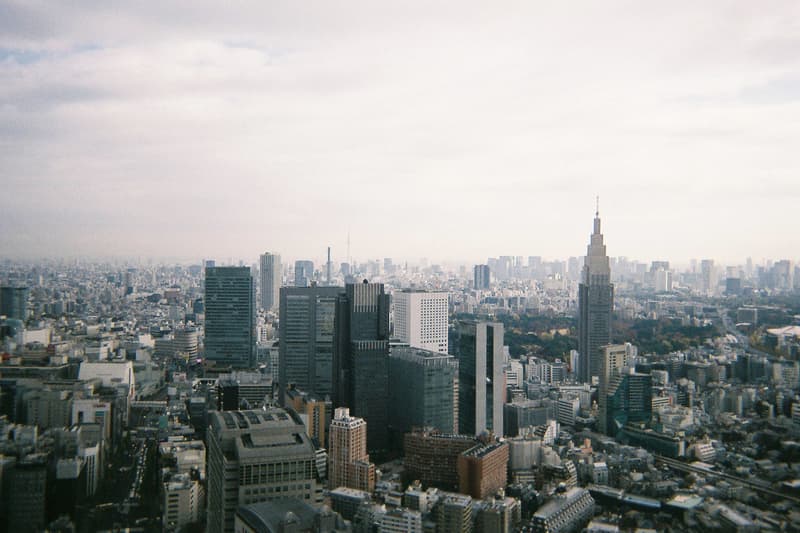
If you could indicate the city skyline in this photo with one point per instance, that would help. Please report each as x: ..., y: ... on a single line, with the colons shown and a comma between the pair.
x: 124, y: 134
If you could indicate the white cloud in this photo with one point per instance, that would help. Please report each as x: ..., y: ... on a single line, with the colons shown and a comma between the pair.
x: 439, y: 129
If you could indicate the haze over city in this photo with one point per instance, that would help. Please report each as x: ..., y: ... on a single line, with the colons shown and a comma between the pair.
x: 399, y: 267
x: 452, y: 131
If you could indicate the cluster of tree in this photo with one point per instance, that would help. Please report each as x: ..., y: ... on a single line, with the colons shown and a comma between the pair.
x: 662, y: 336
x: 552, y: 336
x: 549, y: 336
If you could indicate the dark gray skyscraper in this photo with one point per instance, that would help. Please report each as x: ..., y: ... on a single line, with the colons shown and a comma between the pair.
x: 361, y: 357
x: 230, y: 317
x: 481, y: 381
x: 270, y: 272
x: 595, y: 304
x: 306, y: 338
x: 481, y: 277
x: 14, y: 302
x: 423, y: 390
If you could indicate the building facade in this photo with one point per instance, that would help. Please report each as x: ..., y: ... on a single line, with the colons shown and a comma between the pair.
x: 569, y: 510
x: 595, y: 305
x: 348, y: 461
x: 481, y: 380
x: 230, y: 325
x: 482, y: 470
x: 421, y: 319
x: 481, y: 278
x: 256, y: 456
x: 614, y: 359
x: 303, y: 273
x: 423, y: 390
x: 361, y: 358
x: 270, y: 274
x: 432, y: 457
x: 306, y: 336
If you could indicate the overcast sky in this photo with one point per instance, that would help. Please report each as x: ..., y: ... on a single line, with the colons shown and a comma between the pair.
x: 445, y: 130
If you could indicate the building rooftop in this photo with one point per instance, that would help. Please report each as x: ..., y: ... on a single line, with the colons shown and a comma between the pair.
x: 685, y: 501
x: 254, y: 433
x: 267, y: 517
x: 555, y: 504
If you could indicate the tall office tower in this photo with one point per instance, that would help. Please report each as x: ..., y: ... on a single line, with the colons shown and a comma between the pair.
x: 256, y: 456
x: 361, y: 357
x: 348, y: 461
x: 482, y: 279
x: 423, y: 390
x: 303, y: 273
x: 14, y: 302
x: 629, y: 398
x: 230, y: 326
x: 305, y: 340
x: 270, y: 271
x: 615, y: 358
x: 595, y: 304
x: 481, y: 380
x: 708, y: 282
x: 420, y: 319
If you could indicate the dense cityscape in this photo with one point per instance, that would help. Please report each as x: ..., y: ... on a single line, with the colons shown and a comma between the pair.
x: 591, y: 394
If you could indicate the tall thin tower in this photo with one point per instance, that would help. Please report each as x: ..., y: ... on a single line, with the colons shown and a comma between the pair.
x: 595, y: 304
x: 270, y: 270
x: 328, y: 268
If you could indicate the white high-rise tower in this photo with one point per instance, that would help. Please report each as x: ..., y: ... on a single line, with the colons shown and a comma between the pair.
x: 270, y: 280
x: 420, y: 319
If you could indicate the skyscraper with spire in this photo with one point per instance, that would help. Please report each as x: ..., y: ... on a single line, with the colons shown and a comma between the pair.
x: 595, y: 304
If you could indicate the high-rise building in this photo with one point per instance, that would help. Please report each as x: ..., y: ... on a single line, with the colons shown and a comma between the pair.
x: 482, y: 279
x: 306, y: 336
x: 303, y: 273
x: 595, y: 305
x: 361, y: 357
x: 423, y: 390
x: 230, y: 325
x: 256, y: 456
x: 481, y: 380
x: 26, y: 493
x: 615, y: 358
x: 420, y: 319
x: 629, y: 398
x: 348, y: 461
x: 14, y: 302
x: 708, y: 281
x: 270, y: 273
x: 329, y: 269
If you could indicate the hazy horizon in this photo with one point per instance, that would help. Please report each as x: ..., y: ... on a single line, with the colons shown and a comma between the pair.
x: 453, y: 131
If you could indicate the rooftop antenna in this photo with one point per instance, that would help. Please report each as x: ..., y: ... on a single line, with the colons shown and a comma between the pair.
x: 597, y: 208
x: 348, y: 247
